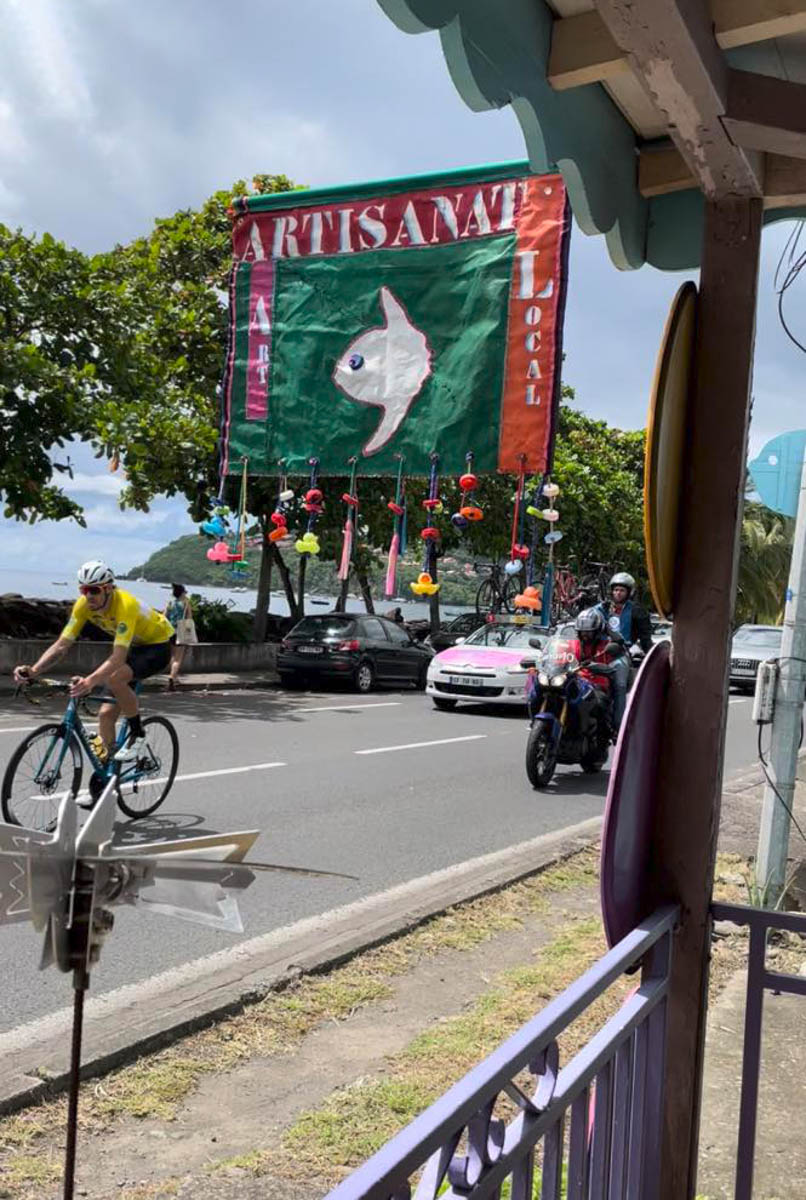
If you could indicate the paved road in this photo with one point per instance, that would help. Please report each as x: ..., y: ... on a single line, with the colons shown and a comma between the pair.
x: 383, y: 787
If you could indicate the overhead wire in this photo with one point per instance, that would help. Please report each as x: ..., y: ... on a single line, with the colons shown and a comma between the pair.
x: 790, y: 265
x: 768, y: 777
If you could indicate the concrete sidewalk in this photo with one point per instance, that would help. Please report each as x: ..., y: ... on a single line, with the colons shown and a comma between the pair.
x: 210, y: 682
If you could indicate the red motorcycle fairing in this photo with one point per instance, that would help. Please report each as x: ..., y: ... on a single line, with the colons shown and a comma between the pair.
x: 573, y: 647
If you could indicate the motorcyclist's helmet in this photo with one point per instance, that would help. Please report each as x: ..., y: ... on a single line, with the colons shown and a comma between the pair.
x: 95, y: 573
x: 590, y: 624
x: 623, y: 579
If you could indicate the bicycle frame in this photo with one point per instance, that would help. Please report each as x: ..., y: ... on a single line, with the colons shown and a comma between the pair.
x: 72, y: 723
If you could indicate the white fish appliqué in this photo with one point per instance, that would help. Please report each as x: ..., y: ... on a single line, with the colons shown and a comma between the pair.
x: 385, y: 366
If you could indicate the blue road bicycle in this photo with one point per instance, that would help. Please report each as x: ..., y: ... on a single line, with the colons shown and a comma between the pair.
x: 49, y: 761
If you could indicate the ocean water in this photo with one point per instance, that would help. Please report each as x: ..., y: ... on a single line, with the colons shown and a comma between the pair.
x: 43, y: 585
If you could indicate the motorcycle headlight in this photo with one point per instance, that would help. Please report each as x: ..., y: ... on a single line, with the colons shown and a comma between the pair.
x: 543, y: 679
x: 558, y: 681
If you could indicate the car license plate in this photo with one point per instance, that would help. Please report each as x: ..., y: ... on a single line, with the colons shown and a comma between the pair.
x: 466, y: 680
x: 310, y: 649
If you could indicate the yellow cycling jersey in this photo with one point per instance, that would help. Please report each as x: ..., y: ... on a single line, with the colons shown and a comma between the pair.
x: 130, y: 622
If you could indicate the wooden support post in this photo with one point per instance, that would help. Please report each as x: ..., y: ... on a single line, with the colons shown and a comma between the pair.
x: 690, y: 777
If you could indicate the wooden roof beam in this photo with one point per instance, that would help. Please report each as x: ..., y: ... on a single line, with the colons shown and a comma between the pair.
x: 766, y: 113
x: 662, y: 169
x: 742, y: 22
x: 584, y: 51
x: 671, y: 49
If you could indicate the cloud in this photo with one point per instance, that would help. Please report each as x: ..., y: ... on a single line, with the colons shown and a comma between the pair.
x: 83, y: 484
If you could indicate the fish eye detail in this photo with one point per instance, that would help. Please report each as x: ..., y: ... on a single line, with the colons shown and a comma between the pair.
x: 355, y: 362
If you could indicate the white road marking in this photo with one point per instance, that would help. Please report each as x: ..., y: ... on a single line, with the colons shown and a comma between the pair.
x: 471, y: 737
x: 740, y: 699
x: 340, y: 707
x: 229, y: 771
x: 18, y: 729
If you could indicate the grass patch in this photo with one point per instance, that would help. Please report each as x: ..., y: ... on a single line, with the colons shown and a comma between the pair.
x: 355, y: 1121
x: 30, y: 1171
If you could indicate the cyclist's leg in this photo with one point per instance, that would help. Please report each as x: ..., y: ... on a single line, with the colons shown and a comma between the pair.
x: 107, y: 718
x: 142, y: 661
x: 119, y: 685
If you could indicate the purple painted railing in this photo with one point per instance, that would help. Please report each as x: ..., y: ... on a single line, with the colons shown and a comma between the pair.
x: 759, y: 980
x: 612, y: 1088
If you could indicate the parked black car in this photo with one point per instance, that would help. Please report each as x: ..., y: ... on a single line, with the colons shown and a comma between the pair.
x: 361, y: 649
x: 460, y: 627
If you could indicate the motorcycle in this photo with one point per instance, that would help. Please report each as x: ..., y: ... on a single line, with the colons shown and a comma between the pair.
x: 570, y: 711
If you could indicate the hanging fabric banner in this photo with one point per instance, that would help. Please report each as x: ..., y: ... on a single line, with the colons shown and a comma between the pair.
x: 411, y: 317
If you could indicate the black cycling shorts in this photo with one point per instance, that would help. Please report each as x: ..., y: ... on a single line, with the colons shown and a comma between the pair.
x: 149, y: 660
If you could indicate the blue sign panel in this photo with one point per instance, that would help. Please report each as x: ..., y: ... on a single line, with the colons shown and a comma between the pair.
x: 776, y: 472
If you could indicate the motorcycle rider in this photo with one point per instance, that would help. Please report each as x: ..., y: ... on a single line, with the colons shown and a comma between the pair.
x: 598, y: 644
x: 633, y: 620
x: 622, y: 616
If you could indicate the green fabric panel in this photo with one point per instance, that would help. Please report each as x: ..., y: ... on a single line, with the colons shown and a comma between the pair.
x: 456, y: 294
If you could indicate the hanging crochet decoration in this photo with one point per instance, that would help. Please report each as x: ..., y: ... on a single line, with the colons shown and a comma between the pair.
x: 519, y: 551
x: 313, y: 505
x: 397, y: 546
x: 350, y: 498
x: 279, y: 535
x: 469, y: 510
x: 426, y: 584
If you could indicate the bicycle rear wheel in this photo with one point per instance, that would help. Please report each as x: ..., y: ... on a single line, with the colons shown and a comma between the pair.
x: 36, y: 779
x: 142, y: 786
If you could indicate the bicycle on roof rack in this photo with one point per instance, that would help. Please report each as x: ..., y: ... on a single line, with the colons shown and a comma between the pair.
x: 50, y: 760
x: 572, y: 593
x: 497, y: 592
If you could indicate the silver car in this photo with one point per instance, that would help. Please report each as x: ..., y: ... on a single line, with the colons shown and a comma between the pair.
x: 752, y: 645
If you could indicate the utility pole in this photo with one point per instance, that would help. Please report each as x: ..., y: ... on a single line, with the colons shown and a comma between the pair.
x: 773, y: 841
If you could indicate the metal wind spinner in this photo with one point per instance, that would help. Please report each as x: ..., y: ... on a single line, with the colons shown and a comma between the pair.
x: 66, y: 882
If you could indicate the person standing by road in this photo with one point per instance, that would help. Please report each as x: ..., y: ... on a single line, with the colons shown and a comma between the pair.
x: 180, y: 614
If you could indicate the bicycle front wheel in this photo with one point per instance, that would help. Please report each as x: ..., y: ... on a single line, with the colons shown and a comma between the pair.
x: 144, y: 784
x: 513, y: 586
x: 487, y: 598
x: 39, y: 772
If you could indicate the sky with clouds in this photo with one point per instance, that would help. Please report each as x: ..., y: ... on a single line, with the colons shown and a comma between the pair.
x: 112, y: 114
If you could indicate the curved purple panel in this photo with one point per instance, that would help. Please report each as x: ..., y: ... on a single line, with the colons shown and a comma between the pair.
x: 631, y: 799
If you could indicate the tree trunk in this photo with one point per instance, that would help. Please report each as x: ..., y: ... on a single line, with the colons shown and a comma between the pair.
x: 303, y: 566
x: 263, y: 590
x: 341, y: 603
x: 366, y: 591
x: 433, y: 601
x: 288, y: 587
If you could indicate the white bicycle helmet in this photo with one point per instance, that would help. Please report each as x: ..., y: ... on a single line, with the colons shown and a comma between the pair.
x: 590, y: 623
x: 95, y: 572
x: 622, y: 579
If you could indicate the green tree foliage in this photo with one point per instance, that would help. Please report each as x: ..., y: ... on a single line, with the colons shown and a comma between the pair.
x: 53, y: 373
x: 123, y: 350
x: 600, y: 470
x: 174, y: 282
x: 765, y: 553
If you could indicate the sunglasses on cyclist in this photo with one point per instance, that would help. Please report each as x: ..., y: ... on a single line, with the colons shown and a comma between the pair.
x: 91, y: 589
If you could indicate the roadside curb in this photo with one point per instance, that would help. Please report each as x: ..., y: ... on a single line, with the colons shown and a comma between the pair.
x: 139, y: 1018
x: 201, y: 683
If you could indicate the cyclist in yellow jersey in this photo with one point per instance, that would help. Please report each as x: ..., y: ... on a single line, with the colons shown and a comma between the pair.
x: 142, y: 640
